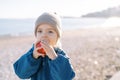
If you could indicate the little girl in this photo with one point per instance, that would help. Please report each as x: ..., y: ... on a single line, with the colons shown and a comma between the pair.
x: 45, y: 60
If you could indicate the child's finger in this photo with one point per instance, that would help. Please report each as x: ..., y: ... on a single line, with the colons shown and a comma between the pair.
x: 44, y: 44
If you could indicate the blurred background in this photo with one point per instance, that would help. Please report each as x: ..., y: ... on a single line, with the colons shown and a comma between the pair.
x: 95, y: 42
x: 17, y: 17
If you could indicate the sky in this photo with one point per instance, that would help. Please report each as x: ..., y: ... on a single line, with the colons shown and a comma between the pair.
x: 33, y: 8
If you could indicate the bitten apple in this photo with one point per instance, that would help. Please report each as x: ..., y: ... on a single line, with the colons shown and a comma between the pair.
x: 41, y: 50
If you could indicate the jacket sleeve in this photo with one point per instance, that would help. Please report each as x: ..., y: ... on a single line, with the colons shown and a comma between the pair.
x: 60, y: 68
x: 27, y: 66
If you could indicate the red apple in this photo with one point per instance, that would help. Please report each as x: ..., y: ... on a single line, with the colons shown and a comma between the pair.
x: 41, y: 50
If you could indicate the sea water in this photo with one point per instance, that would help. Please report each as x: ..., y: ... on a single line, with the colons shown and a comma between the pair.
x: 26, y: 26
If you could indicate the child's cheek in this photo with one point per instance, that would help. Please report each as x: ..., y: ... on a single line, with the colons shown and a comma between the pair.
x: 38, y: 36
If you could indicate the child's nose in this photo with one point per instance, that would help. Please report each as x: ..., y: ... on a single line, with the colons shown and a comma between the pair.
x: 44, y: 34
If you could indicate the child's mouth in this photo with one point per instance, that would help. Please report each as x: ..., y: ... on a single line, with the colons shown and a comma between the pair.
x: 45, y: 41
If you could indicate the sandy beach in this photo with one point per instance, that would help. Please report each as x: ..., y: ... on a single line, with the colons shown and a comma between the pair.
x: 94, y: 52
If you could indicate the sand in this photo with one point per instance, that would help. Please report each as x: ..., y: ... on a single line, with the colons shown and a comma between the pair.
x: 94, y: 52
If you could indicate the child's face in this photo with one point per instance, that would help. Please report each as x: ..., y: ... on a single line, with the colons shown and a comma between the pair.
x: 47, y: 33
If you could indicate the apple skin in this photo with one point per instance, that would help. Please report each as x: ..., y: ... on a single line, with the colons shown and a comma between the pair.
x: 41, y: 50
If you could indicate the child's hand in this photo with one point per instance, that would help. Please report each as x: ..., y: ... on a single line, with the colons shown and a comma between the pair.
x: 49, y: 50
x: 36, y: 54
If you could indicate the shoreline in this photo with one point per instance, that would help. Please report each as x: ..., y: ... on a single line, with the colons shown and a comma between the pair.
x: 93, y: 28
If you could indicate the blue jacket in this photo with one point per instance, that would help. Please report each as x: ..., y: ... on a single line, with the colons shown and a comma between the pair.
x: 28, y: 67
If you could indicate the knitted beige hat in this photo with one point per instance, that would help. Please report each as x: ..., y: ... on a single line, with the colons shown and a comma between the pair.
x: 51, y: 19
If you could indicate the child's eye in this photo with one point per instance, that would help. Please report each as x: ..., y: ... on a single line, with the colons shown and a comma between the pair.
x: 39, y: 31
x: 50, y: 31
